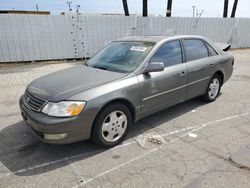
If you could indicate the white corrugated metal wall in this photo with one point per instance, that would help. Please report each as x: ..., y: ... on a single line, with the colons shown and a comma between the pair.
x: 47, y: 37
x: 29, y: 37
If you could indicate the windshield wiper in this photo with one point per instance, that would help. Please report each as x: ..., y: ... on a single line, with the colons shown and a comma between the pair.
x: 97, y: 67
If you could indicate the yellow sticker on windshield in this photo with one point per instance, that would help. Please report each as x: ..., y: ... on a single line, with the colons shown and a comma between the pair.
x: 138, y: 48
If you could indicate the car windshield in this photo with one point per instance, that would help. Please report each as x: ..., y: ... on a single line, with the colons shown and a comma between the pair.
x: 122, y: 57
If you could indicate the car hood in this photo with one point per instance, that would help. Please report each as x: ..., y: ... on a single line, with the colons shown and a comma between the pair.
x: 62, y: 84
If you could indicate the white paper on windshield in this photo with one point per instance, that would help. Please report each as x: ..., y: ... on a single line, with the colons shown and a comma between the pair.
x: 138, y: 48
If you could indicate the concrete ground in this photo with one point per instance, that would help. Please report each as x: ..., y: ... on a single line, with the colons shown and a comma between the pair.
x: 190, y: 145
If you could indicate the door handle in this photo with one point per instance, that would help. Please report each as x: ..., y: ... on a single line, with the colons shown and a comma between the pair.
x: 196, y: 69
x: 183, y: 73
x: 211, y: 65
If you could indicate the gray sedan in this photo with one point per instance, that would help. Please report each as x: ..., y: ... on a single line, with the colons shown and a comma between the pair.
x: 127, y: 80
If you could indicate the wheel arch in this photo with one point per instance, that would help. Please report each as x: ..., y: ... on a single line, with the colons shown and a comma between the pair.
x: 221, y: 74
x: 123, y: 101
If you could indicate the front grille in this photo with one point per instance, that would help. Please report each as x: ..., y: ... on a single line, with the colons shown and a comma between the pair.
x: 33, y: 102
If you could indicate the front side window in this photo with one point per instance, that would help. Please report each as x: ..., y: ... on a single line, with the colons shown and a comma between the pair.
x: 121, y: 56
x: 169, y: 53
x: 195, y: 49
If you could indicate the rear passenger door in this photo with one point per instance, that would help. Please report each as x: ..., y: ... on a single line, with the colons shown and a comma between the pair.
x: 200, y: 66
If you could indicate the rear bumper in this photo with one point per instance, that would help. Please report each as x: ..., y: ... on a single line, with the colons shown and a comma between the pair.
x: 75, y: 128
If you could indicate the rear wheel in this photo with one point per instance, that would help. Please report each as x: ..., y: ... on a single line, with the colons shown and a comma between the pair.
x: 213, y: 89
x: 111, y: 125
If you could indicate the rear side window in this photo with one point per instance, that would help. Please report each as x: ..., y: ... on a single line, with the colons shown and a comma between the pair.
x: 169, y: 53
x: 211, y: 51
x: 195, y: 49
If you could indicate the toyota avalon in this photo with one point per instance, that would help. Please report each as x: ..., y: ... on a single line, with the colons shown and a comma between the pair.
x: 127, y: 80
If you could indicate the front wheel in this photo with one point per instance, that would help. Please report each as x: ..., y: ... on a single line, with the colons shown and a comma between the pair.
x: 213, y: 89
x: 111, y: 125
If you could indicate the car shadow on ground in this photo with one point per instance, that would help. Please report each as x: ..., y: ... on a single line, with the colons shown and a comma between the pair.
x: 24, y: 155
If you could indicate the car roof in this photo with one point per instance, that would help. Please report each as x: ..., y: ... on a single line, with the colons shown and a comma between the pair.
x: 157, y: 39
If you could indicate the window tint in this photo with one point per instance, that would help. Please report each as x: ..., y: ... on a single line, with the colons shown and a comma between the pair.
x: 211, y: 51
x: 169, y: 53
x: 195, y: 49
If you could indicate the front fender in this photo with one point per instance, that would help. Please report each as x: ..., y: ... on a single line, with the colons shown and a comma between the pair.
x: 124, y: 89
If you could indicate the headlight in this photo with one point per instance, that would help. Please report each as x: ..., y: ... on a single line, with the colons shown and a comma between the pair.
x: 64, y: 108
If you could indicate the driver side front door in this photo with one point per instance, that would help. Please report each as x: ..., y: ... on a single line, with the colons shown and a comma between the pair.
x: 160, y: 90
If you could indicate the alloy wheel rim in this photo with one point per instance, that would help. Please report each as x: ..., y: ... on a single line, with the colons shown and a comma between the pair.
x: 114, y: 126
x: 214, y: 87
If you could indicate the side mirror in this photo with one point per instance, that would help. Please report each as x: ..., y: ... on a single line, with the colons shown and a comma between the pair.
x: 154, y: 67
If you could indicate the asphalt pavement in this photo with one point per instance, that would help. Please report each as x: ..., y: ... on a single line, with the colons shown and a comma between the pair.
x: 193, y: 144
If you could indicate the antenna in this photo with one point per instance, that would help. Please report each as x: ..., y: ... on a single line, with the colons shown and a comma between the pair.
x: 199, y: 14
x: 77, y: 8
x: 197, y: 18
x: 77, y: 12
x: 193, y: 10
x: 69, y: 4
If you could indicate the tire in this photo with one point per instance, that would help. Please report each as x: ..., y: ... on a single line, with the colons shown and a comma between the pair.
x: 213, y: 89
x: 111, y: 125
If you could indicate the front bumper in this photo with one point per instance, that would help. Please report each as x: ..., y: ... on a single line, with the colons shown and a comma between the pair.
x: 76, y: 128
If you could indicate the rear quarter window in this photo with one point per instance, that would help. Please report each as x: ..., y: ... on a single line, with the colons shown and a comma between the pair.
x: 211, y: 50
x: 194, y: 49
